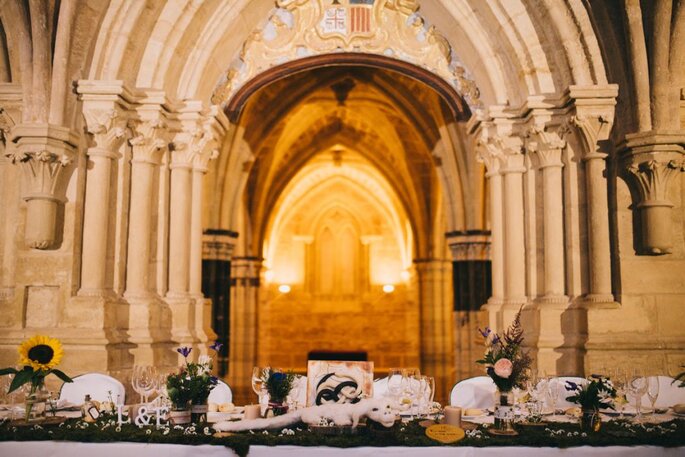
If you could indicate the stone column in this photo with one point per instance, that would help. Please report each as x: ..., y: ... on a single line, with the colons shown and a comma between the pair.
x: 45, y: 153
x: 148, y: 147
x: 179, y: 223
x: 472, y: 285
x: 547, y: 149
x: 149, y: 318
x: 512, y: 169
x: 245, y: 272
x: 488, y: 153
x: 593, y: 129
x: 437, y: 335
x: 107, y: 128
x: 217, y: 249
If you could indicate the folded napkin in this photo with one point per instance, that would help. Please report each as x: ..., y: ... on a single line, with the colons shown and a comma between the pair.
x: 64, y: 405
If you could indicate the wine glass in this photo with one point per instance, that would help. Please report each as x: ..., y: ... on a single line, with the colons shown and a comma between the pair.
x: 395, y: 382
x: 412, y: 385
x: 637, y: 387
x: 653, y: 391
x: 427, y: 393
x: 142, y: 380
x: 619, y: 381
x: 553, y: 394
x: 258, y: 385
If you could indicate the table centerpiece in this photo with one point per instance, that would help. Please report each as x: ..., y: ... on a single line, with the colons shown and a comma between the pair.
x: 39, y: 356
x: 506, y: 364
x: 278, y: 385
x: 189, y: 389
x: 595, y: 394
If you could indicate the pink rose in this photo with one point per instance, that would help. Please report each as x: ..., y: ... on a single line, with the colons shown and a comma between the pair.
x: 503, y: 368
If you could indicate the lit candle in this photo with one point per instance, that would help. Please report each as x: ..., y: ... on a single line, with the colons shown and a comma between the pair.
x: 253, y: 411
x: 453, y: 415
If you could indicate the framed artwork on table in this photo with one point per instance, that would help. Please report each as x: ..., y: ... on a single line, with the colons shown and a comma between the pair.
x: 330, y: 381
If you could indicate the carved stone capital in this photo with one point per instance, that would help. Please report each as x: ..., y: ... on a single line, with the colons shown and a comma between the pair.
x: 6, y: 125
x: 651, y: 161
x: 108, y: 130
x: 150, y: 142
x: 198, y: 141
x: 545, y: 146
x: 45, y: 154
x: 218, y: 245
x: 469, y: 245
x: 495, y: 150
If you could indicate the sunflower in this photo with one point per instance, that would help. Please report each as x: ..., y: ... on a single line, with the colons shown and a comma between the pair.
x: 41, y: 353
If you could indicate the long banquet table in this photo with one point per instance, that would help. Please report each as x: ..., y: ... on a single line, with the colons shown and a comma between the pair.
x: 71, y: 449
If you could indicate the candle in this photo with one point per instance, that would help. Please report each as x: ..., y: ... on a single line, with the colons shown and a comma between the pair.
x: 453, y: 415
x: 253, y: 411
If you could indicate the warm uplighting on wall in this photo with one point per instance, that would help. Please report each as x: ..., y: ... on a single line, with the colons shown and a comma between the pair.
x: 405, y: 275
x: 269, y: 275
x: 388, y: 288
x: 284, y: 288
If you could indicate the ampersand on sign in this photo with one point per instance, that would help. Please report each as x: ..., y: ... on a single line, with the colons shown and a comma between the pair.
x: 143, y: 417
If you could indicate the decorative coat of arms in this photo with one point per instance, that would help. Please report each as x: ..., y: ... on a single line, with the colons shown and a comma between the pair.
x: 348, y: 18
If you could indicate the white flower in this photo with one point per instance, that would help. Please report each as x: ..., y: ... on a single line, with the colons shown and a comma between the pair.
x: 148, y: 431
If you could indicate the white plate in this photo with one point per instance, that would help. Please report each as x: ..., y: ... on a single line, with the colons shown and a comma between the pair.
x: 678, y: 414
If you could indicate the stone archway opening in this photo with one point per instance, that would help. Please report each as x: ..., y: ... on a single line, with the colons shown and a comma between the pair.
x: 343, y: 202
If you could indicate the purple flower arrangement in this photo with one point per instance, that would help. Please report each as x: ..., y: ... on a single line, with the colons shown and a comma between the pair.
x: 194, y: 381
x: 597, y: 393
x: 505, y: 361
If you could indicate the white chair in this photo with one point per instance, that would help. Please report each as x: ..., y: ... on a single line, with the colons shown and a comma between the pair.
x: 380, y: 388
x: 478, y: 392
x: 221, y: 393
x: 99, y: 386
x: 669, y: 394
x: 302, y: 391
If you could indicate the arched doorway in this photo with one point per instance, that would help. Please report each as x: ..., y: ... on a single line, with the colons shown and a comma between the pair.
x: 344, y: 193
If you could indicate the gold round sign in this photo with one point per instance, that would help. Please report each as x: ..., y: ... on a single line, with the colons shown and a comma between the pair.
x: 445, y: 433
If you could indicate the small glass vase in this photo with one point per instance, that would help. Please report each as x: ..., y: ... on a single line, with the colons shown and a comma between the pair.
x: 278, y: 408
x: 35, y: 403
x: 504, y: 411
x: 590, y: 420
x: 198, y: 412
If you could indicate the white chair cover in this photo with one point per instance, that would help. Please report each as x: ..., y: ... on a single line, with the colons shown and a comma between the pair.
x: 221, y: 393
x: 97, y: 385
x: 302, y: 392
x: 380, y: 388
x: 669, y: 394
x: 478, y: 392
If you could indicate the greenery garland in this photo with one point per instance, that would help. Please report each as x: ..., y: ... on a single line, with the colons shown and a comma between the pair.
x: 558, y: 435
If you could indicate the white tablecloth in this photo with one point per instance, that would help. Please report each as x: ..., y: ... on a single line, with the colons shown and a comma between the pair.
x: 72, y: 449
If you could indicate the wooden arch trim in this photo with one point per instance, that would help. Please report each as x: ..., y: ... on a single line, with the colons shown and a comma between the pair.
x: 456, y: 103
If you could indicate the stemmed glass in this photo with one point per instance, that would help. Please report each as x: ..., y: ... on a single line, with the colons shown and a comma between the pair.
x: 619, y: 382
x: 411, y: 379
x: 395, y: 382
x: 258, y: 385
x: 427, y: 393
x: 637, y: 387
x: 143, y: 381
x: 653, y: 391
x: 553, y: 393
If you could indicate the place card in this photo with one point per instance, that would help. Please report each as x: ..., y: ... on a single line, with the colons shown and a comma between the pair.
x: 445, y: 433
